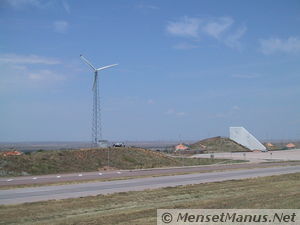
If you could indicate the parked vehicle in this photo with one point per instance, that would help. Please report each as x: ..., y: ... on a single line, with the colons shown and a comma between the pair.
x: 118, y: 145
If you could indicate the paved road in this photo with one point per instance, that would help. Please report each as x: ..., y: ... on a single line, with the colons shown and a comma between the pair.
x: 56, y: 178
x: 21, y: 195
x: 256, y: 156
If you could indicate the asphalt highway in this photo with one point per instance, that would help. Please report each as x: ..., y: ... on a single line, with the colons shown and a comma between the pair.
x: 56, y: 178
x: 22, y: 195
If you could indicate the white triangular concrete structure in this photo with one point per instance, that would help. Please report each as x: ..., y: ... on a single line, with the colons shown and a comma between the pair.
x: 243, y: 137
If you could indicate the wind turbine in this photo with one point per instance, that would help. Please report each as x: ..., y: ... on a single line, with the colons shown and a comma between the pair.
x: 96, y: 123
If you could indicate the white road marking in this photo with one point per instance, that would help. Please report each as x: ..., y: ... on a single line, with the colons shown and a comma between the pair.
x: 100, y: 174
x: 80, y: 175
x: 14, y: 196
x: 34, y: 178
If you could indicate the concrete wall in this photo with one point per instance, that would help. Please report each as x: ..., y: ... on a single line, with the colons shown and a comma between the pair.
x: 243, y: 137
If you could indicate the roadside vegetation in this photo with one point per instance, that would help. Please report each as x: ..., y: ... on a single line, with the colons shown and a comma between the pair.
x: 68, y: 161
x: 132, y: 208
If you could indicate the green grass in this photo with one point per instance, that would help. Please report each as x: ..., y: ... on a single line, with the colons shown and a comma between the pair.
x: 219, y: 144
x: 140, y: 207
x: 51, y: 162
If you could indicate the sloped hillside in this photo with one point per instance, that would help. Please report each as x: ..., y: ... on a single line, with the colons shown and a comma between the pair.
x: 219, y: 144
x: 49, y: 162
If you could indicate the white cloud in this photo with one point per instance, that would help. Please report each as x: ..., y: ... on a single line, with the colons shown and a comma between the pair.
x: 150, y: 101
x: 26, y: 59
x: 217, y: 26
x: 15, y: 77
x: 236, y: 108
x: 232, y: 40
x: 18, y: 67
x: 273, y: 45
x: 221, y: 29
x: 245, y: 76
x: 180, y: 114
x: 186, y: 27
x: 26, y: 72
x: 66, y: 7
x: 61, y: 26
x: 185, y: 46
x: 220, y: 115
x: 19, y: 4
x: 45, y: 75
x: 229, y: 113
x: 147, y: 6
x: 174, y: 112
x: 170, y: 111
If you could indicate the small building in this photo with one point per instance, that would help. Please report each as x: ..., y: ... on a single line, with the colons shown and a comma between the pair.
x: 181, y: 147
x: 102, y: 144
x: 290, y: 145
x: 269, y: 145
x: 12, y: 153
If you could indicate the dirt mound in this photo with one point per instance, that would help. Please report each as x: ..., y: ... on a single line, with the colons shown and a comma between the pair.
x: 218, y: 144
x: 84, y: 160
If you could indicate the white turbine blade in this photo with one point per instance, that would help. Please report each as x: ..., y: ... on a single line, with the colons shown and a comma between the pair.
x: 105, y: 67
x: 87, y: 62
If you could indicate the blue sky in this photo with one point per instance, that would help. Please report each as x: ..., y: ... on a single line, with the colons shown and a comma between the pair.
x: 187, y: 69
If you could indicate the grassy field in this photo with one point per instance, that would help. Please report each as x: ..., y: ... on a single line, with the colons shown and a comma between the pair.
x: 49, y: 162
x: 140, y: 207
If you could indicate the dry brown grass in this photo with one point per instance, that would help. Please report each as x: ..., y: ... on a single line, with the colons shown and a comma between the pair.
x: 140, y: 207
x: 69, y: 161
x: 220, y: 144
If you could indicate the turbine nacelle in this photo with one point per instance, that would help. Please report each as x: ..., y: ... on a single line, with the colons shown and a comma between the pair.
x: 94, y: 68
